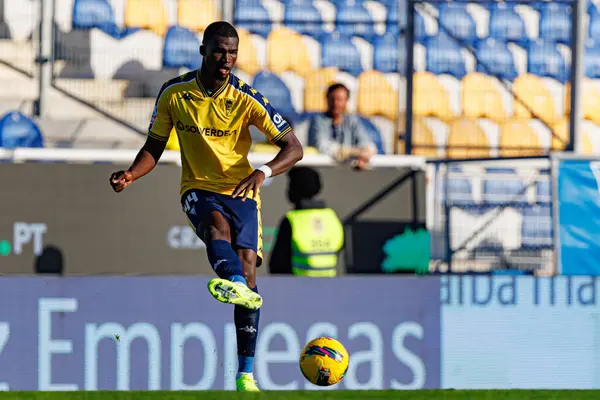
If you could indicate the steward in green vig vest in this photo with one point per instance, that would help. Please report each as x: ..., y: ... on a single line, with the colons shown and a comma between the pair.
x: 309, y: 236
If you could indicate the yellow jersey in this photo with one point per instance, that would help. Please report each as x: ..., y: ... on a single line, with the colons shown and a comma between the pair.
x: 213, y: 130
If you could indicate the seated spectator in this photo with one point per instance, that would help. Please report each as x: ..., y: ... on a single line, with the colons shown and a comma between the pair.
x: 338, y: 134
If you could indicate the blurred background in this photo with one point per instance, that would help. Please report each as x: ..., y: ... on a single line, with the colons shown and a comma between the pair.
x: 473, y: 230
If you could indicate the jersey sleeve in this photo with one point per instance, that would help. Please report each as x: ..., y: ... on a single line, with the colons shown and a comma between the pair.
x: 266, y: 118
x: 161, y: 123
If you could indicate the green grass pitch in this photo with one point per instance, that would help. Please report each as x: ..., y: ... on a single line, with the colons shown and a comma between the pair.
x: 315, y: 395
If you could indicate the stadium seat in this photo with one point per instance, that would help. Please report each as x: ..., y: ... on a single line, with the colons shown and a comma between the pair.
x: 423, y: 141
x: 518, y: 139
x: 594, y: 23
x: 147, y: 14
x: 544, y: 59
x: 444, y: 56
x: 181, y: 49
x: 304, y: 18
x: 543, y: 191
x: 506, y: 25
x: 376, y: 96
x: 562, y: 132
x: 188, y: 14
x: 18, y: 130
x: 315, y: 89
x: 459, y: 23
x: 338, y: 51
x: 374, y: 134
x: 459, y: 191
x: 494, y: 58
x: 387, y: 49
x: 396, y: 14
x: 591, y: 60
x: 88, y: 14
x: 560, y: 137
x: 252, y: 16
x: 555, y: 22
x: 275, y: 90
x: 481, y: 98
x: 502, y: 186
x: 247, y: 53
x: 590, y: 96
x: 531, y: 93
x: 467, y: 140
x: 287, y: 51
x: 537, y: 230
x: 392, y: 25
x: 430, y: 97
x: 355, y: 20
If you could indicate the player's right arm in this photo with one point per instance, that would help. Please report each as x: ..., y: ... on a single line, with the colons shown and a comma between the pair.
x: 160, y: 128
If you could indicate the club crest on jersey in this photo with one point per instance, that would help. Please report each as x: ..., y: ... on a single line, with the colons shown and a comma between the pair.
x: 228, y: 105
x: 187, y: 96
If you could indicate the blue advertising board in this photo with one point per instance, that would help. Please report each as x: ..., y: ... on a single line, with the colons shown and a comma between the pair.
x: 93, y: 333
x: 578, y: 217
x: 509, y: 332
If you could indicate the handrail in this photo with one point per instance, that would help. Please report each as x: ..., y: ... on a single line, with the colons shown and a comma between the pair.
x: 23, y: 155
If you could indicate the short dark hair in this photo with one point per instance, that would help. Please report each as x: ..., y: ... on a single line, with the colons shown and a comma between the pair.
x: 337, y: 86
x: 304, y: 183
x: 220, y: 28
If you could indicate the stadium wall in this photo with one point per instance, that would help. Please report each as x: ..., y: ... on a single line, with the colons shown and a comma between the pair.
x: 404, y: 333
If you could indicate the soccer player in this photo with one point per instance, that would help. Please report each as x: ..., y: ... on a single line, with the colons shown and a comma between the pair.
x: 211, y: 111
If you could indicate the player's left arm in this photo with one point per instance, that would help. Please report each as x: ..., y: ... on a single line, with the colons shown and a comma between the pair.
x: 279, y: 132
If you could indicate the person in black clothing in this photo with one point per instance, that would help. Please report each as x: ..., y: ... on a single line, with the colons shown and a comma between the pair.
x: 303, y: 185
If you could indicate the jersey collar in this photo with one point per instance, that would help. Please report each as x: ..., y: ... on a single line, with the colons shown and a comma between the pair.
x: 205, y: 92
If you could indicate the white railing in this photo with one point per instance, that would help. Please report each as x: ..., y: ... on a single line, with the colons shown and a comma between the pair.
x: 23, y: 155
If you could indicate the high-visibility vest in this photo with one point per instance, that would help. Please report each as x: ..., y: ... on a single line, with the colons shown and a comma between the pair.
x: 317, y: 237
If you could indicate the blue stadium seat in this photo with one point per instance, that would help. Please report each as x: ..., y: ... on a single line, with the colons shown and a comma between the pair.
x: 181, y: 49
x: 543, y: 191
x: 504, y: 189
x: 591, y: 60
x: 396, y: 12
x: 389, y: 53
x: 252, y: 16
x: 18, y: 130
x: 455, y: 21
x: 555, y: 22
x: 494, y: 58
x: 88, y: 14
x: 275, y: 90
x: 594, y: 24
x: 444, y: 56
x: 544, y: 59
x: 460, y: 191
x: 374, y: 134
x: 536, y: 231
x: 507, y: 25
x: 355, y: 21
x: 339, y: 51
x: 304, y: 18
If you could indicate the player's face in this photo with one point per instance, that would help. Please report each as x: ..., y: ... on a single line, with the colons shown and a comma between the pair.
x: 220, y: 55
x: 337, y: 100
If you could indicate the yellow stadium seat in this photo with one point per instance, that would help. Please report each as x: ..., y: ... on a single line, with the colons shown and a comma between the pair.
x: 376, y: 96
x: 147, y: 14
x: 590, y: 94
x: 247, y: 60
x: 586, y: 143
x: 188, y: 14
x: 531, y: 93
x: 518, y: 139
x: 423, y: 141
x: 315, y: 89
x: 481, y: 98
x: 467, y: 140
x: 430, y: 97
x: 287, y: 51
x: 561, y: 131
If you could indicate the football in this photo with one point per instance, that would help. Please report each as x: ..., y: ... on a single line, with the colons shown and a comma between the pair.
x: 324, y: 361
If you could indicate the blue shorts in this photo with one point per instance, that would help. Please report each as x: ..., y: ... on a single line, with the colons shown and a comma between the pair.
x: 243, y: 217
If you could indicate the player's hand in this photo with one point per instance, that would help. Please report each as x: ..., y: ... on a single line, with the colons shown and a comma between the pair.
x: 250, y: 184
x: 120, y: 180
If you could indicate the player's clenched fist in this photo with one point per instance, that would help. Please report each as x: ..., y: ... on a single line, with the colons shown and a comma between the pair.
x: 120, y: 180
